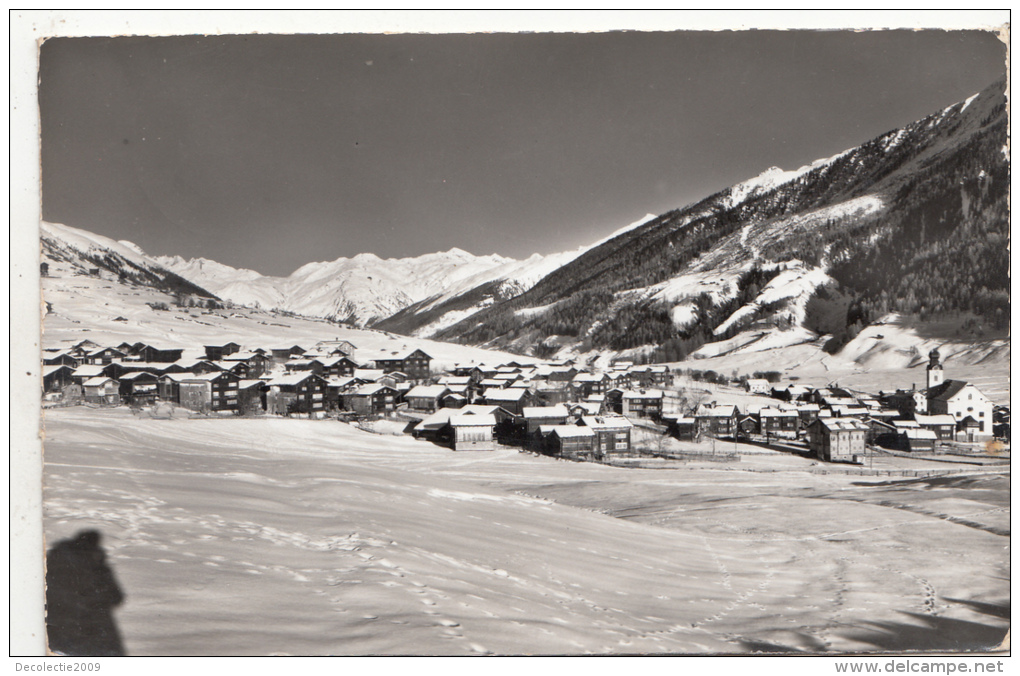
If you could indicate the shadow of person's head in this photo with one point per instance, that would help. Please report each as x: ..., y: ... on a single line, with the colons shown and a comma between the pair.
x: 81, y: 593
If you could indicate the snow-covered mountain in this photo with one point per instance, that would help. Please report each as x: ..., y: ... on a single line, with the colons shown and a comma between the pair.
x: 357, y: 290
x: 418, y: 295
x: 914, y: 221
x: 478, y: 292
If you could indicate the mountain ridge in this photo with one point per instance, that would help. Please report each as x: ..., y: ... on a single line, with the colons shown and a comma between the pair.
x: 825, y: 216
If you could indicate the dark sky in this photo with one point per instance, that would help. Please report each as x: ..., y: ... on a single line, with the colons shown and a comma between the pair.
x: 269, y: 152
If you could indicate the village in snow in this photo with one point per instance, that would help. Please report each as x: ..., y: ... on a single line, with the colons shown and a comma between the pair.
x: 624, y: 414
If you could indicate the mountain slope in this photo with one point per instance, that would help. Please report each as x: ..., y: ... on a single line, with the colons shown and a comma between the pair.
x: 899, y: 209
x: 71, y: 251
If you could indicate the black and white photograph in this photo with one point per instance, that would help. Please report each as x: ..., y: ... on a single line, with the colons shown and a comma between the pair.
x: 523, y: 342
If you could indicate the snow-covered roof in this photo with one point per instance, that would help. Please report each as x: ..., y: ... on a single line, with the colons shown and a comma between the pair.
x: 556, y: 411
x: 301, y: 362
x: 88, y: 370
x: 607, y: 422
x: 96, y: 382
x: 838, y: 424
x: 472, y: 420
x: 370, y: 389
x: 336, y: 381
x: 919, y: 434
x: 178, y: 377
x: 567, y: 431
x: 509, y: 394
x: 939, y: 419
x: 46, y: 370
x: 589, y: 407
x: 769, y: 412
x: 717, y: 411
x: 647, y: 394
x: 209, y: 377
x: 292, y: 378
x: 431, y: 391
x: 134, y: 375
x: 455, y: 380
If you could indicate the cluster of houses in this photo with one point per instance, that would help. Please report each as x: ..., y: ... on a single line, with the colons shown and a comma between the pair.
x: 838, y: 424
x: 556, y: 409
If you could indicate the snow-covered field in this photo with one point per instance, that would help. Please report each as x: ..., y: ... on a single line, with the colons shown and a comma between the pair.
x: 262, y: 536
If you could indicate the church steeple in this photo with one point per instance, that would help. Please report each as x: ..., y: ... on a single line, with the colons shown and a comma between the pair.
x: 934, y: 369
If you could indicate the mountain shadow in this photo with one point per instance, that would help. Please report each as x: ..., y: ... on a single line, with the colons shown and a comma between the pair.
x: 81, y: 593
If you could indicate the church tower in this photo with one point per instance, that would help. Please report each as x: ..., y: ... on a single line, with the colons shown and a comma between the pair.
x: 934, y: 369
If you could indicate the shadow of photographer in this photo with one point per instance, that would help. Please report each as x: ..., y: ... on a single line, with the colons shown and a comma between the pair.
x: 81, y: 593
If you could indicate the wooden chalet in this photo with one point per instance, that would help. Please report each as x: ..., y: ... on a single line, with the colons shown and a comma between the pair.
x: 88, y: 371
x: 170, y: 386
x: 336, y: 388
x: 612, y: 434
x: 642, y: 403
x: 651, y: 375
x: 916, y: 439
x: 575, y: 442
x: 61, y: 359
x: 748, y: 425
x: 942, y: 425
x: 298, y: 392
x: 283, y: 354
x: 372, y: 399
x: 105, y: 356
x: 579, y: 409
x: 55, y: 377
x: 257, y: 363
x: 139, y: 387
x: 101, y: 390
x: 83, y: 348
x: 426, y: 397
x: 415, y: 363
x: 156, y: 354
x: 299, y: 365
x: 453, y: 400
x: 251, y: 396
x: 195, y: 366
x: 716, y: 420
x: 238, y: 368
x: 683, y: 427
x: 512, y: 399
x: 533, y: 417
x: 778, y: 422
x: 469, y: 428
x: 807, y: 413
x: 218, y: 352
x: 587, y: 384
x: 215, y: 391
